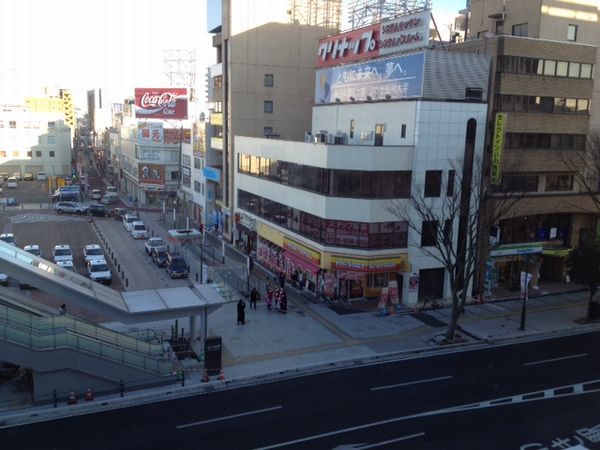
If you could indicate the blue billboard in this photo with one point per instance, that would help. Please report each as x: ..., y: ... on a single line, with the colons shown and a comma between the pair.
x: 394, y: 78
x: 210, y: 173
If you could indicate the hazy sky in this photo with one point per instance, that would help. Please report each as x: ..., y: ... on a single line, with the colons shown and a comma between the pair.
x: 113, y: 44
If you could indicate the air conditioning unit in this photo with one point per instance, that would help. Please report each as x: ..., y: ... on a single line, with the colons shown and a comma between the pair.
x: 308, y: 137
x: 341, y: 138
x: 330, y: 139
x: 322, y: 136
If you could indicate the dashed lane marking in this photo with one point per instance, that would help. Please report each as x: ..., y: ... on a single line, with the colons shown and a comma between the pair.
x: 562, y: 358
x: 233, y: 416
x: 410, y: 383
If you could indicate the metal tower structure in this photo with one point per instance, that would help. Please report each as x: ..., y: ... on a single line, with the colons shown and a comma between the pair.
x: 321, y: 13
x: 180, y: 67
x: 366, y: 12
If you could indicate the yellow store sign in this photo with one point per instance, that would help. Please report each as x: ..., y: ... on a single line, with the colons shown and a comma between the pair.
x: 397, y: 264
x: 498, y: 147
x: 302, y: 250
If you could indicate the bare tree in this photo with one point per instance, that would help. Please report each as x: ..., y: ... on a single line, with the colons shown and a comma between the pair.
x: 457, y: 222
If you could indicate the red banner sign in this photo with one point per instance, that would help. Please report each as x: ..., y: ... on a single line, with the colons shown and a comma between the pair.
x: 161, y: 103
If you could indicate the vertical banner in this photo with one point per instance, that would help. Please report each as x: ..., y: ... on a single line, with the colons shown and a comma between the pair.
x: 498, y: 147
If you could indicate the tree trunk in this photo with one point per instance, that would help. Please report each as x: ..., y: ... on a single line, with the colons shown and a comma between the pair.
x: 453, y: 323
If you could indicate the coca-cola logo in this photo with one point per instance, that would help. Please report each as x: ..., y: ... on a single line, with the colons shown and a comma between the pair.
x: 166, y: 99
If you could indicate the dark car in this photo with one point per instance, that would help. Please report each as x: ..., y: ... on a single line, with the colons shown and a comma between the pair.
x: 160, y: 256
x: 119, y: 213
x: 176, y: 266
x: 98, y: 210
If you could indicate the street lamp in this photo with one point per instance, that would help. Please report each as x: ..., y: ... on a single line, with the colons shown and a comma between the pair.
x: 526, y: 296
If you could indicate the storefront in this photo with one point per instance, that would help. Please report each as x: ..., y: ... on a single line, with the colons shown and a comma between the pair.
x: 244, y: 233
x: 362, y: 277
x: 503, y: 271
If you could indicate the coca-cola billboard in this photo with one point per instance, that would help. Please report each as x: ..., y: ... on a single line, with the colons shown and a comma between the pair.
x: 161, y: 103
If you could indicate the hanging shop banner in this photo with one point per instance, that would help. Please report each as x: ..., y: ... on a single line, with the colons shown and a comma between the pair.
x: 413, y: 283
x: 393, y: 292
x: 394, y: 78
x: 302, y: 250
x: 150, y: 132
x: 384, y: 38
x: 161, y: 103
x: 368, y: 265
x: 151, y: 174
x: 498, y: 147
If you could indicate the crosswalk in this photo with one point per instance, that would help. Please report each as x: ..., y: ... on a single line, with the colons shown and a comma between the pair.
x: 35, y: 218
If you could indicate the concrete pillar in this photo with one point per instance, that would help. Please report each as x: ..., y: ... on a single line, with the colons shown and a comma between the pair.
x: 192, y: 328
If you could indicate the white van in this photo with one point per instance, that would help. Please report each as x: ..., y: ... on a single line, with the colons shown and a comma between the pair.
x: 139, y: 230
x: 12, y: 182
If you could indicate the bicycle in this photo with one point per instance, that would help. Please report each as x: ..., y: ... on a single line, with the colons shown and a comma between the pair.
x: 336, y: 301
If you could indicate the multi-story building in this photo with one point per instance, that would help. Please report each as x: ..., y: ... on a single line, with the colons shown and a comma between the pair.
x: 543, y: 57
x: 382, y: 131
x: 34, y: 142
x: 262, y: 83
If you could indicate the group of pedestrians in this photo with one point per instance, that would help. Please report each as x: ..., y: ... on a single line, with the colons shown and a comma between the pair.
x: 276, y: 298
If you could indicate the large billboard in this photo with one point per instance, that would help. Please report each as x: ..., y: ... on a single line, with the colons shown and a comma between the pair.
x: 151, y: 174
x: 161, y: 103
x: 150, y: 132
x: 384, y: 38
x: 498, y: 148
x: 394, y: 78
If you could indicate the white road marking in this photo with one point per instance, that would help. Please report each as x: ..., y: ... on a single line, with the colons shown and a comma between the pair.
x: 533, y: 363
x: 233, y: 416
x: 403, y: 438
x: 410, y: 383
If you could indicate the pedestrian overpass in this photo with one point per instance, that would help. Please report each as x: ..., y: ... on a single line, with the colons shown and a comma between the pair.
x: 67, y: 352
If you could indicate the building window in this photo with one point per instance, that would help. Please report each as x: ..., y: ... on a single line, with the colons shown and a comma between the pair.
x: 15, y: 153
x: 571, y: 33
x: 559, y: 182
x: 268, y: 80
x: 518, y: 183
x: 520, y: 29
x: 403, y: 131
x: 197, y: 186
x: 51, y: 152
x: 352, y: 128
x: 38, y: 153
x: 562, y: 68
x: 451, y: 181
x: 29, y: 153
x: 429, y: 233
x: 51, y: 140
x: 174, y: 175
x: 268, y: 107
x: 51, y: 125
x: 586, y: 71
x: 433, y: 183
x: 267, y: 131
x: 197, y: 163
x: 12, y: 124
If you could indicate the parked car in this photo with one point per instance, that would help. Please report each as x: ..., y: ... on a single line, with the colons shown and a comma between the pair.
x: 9, y: 238
x: 68, y: 265
x: 99, y: 271
x: 99, y: 210
x: 12, y: 182
x: 41, y: 176
x: 96, y: 194
x: 109, y: 199
x: 70, y: 207
x: 176, y: 266
x: 139, y: 230
x: 92, y: 252
x: 62, y: 252
x: 152, y: 243
x: 17, y: 175
x: 129, y: 219
x: 159, y: 256
x: 34, y: 249
x: 111, y: 190
x: 27, y: 176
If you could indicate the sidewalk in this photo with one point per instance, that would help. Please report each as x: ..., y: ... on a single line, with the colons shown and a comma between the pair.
x: 312, y: 337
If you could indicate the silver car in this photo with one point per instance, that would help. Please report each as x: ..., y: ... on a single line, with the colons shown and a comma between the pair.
x: 70, y: 207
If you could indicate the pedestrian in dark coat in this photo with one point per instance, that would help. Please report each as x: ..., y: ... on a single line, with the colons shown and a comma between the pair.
x: 254, y: 295
x: 241, y: 312
x: 282, y: 279
x: 283, y: 302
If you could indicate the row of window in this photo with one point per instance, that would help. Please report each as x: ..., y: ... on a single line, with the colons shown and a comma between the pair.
x: 544, y: 141
x: 26, y: 124
x: 547, y: 67
x: 547, y: 105
x: 17, y: 154
x: 530, y: 183
x: 329, y: 232
x: 330, y: 182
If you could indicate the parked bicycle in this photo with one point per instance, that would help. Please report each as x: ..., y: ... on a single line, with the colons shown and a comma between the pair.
x: 336, y: 301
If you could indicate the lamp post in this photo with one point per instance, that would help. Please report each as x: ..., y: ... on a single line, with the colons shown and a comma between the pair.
x: 526, y: 296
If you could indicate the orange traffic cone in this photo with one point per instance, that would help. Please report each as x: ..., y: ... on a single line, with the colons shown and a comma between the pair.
x: 205, y: 378
x: 89, y: 395
x: 221, y: 376
x: 72, y: 399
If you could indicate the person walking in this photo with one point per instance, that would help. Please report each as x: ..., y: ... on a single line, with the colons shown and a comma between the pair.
x: 241, y: 312
x: 254, y: 296
x: 283, y: 302
x: 282, y: 279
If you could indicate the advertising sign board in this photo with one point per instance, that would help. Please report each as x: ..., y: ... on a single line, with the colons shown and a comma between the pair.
x: 161, y: 103
x: 151, y: 174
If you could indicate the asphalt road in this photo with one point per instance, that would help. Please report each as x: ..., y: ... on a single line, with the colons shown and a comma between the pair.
x: 543, y: 392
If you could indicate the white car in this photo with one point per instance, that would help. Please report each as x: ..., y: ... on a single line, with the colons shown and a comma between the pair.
x: 96, y: 194
x: 68, y: 265
x: 128, y: 221
x: 62, y: 253
x: 9, y: 238
x: 71, y: 207
x: 3, y: 279
x: 152, y: 243
x: 99, y: 271
x: 139, y: 230
x: 92, y: 252
x: 34, y: 249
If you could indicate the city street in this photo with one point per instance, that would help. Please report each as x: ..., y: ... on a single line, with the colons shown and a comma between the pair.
x: 504, y: 397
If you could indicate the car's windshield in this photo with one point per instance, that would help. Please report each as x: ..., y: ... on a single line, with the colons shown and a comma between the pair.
x: 62, y: 252
x: 139, y: 227
x: 99, y: 268
x: 94, y: 251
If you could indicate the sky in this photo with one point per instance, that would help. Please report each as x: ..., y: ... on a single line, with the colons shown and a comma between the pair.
x: 114, y: 44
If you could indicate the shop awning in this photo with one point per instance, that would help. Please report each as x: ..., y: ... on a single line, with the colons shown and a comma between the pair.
x: 558, y: 252
x: 306, y: 265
